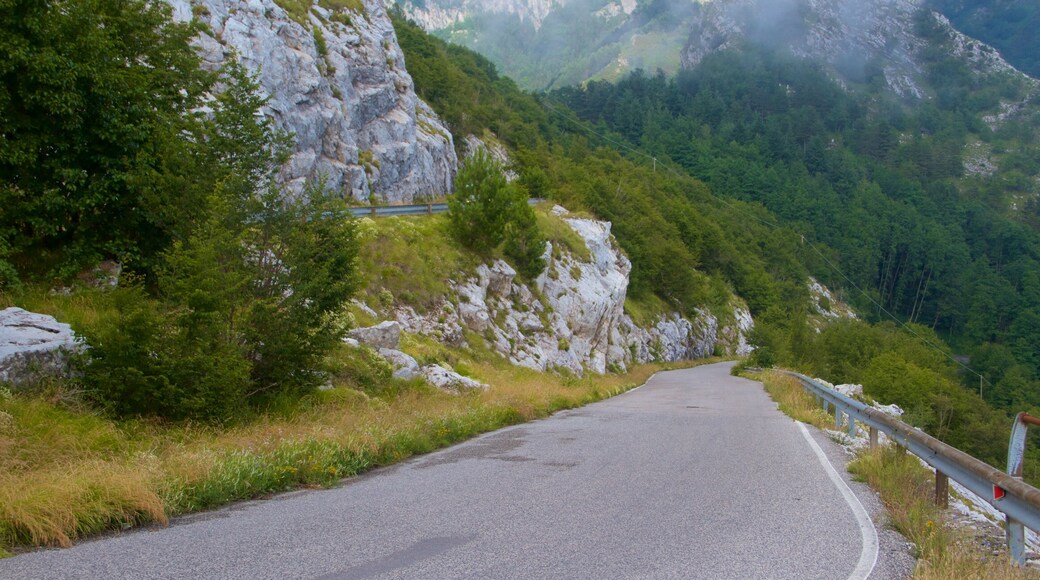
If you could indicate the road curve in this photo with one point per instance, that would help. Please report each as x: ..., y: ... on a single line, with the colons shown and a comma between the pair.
x: 694, y: 475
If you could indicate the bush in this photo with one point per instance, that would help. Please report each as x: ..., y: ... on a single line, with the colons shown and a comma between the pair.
x: 150, y: 360
x: 486, y: 211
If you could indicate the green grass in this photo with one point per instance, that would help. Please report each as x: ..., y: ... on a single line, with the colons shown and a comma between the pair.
x: 392, y: 260
x: 907, y: 489
x: 298, y: 10
x: 562, y: 236
x: 793, y: 400
x: 645, y: 309
x: 352, y: 5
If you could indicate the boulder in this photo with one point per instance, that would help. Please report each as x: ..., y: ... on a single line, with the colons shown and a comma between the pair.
x: 33, y: 346
x: 444, y: 379
x: 849, y: 390
x: 383, y: 335
x: 405, y: 367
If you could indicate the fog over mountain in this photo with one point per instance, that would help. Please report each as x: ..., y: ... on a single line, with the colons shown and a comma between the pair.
x: 546, y: 44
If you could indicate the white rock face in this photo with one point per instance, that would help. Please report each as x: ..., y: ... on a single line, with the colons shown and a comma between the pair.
x: 827, y: 304
x: 33, y: 346
x: 572, y: 316
x: 436, y: 15
x: 352, y: 107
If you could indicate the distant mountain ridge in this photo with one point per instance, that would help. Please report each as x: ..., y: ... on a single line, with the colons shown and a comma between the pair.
x: 1008, y: 25
x: 858, y: 40
x: 546, y: 44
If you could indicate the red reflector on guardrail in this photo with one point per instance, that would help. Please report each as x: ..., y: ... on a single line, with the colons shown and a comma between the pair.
x: 998, y: 492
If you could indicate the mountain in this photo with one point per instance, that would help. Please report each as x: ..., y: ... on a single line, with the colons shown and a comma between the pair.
x: 1008, y: 25
x: 335, y: 78
x: 548, y: 44
x: 859, y: 41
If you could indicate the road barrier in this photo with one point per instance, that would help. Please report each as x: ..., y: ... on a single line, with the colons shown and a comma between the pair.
x: 1019, y: 501
x: 415, y: 209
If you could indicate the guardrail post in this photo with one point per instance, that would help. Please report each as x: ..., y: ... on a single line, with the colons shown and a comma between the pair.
x: 373, y: 211
x: 1016, y: 540
x: 837, y: 417
x: 1014, y: 530
x: 429, y: 209
x: 942, y: 490
x: 852, y: 425
x: 873, y: 437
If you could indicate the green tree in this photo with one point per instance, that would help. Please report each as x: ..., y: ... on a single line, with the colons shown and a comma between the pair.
x: 95, y: 99
x: 249, y: 303
x: 479, y: 209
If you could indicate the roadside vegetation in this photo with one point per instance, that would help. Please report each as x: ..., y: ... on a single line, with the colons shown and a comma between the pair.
x: 944, y: 552
x: 907, y: 490
x: 68, y: 471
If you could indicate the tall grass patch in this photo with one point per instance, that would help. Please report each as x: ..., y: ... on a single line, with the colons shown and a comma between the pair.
x: 412, y: 259
x: 907, y: 489
x: 792, y: 399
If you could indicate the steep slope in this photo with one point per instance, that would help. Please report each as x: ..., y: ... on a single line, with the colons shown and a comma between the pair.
x: 546, y: 44
x: 336, y: 78
x: 570, y: 317
x: 1008, y: 25
x: 858, y: 40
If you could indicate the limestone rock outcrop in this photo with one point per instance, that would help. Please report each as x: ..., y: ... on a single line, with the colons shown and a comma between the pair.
x: 572, y: 316
x: 337, y: 80
x: 449, y: 380
x: 385, y: 335
x: 34, y: 346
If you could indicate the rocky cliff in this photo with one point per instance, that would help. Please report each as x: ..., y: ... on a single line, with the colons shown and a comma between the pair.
x: 434, y: 15
x: 335, y: 77
x: 573, y: 315
x: 852, y: 36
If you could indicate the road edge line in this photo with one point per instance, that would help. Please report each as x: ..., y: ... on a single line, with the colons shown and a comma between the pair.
x: 869, y: 554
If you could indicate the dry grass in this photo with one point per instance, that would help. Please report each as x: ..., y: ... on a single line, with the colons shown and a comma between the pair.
x: 53, y: 507
x: 907, y: 488
x: 793, y: 400
x: 68, y: 473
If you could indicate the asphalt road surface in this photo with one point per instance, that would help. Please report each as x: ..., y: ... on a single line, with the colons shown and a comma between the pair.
x: 694, y: 475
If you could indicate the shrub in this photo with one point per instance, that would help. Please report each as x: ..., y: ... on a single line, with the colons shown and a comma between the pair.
x: 151, y: 361
x: 486, y: 211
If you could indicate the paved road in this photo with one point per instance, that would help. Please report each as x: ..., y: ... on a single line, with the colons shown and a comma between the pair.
x: 694, y: 475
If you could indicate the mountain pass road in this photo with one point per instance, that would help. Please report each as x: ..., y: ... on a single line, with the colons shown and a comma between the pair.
x: 694, y: 475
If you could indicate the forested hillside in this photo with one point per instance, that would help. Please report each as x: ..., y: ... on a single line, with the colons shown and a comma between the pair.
x: 885, y: 186
x: 877, y: 189
x: 687, y: 249
x: 1008, y: 25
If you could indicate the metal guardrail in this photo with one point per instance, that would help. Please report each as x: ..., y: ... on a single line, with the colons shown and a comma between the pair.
x: 415, y: 209
x: 1010, y: 495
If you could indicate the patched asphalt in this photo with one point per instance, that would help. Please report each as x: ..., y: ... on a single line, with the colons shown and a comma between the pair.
x: 694, y: 475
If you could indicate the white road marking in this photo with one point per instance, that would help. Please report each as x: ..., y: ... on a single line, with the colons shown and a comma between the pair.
x: 869, y: 555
